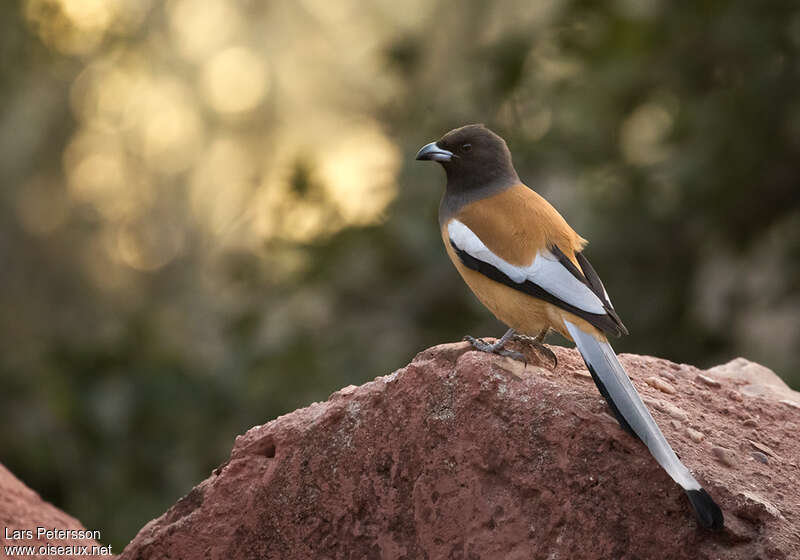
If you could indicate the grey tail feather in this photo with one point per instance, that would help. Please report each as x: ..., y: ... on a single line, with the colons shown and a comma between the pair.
x: 706, y: 509
x: 633, y: 416
x: 603, y: 391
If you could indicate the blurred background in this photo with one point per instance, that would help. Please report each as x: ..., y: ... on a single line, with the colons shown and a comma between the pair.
x: 211, y: 215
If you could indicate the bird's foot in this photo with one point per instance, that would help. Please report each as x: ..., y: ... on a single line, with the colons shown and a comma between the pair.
x: 496, y: 348
x: 538, y: 346
x: 547, y: 352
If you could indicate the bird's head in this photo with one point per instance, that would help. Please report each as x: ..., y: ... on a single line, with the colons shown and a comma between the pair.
x: 472, y: 156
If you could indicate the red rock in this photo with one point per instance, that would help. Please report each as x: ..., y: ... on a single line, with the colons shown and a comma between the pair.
x: 467, y: 455
x: 23, y: 512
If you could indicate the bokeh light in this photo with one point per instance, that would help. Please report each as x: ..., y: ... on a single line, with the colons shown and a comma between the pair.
x: 234, y: 80
x: 79, y: 26
x: 360, y: 168
x: 643, y: 133
x: 201, y: 28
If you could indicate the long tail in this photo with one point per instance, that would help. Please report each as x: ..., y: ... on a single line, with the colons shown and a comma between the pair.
x: 616, y: 387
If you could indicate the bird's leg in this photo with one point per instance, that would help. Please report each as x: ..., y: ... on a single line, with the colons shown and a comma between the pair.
x: 497, y: 347
x: 538, y: 343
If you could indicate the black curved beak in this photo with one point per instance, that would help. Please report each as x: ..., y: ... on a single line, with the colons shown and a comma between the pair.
x: 433, y: 152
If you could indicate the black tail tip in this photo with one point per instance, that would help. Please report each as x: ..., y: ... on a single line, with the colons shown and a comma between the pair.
x: 706, y: 509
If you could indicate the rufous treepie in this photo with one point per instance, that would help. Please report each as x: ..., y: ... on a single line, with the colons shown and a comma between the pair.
x: 526, y: 264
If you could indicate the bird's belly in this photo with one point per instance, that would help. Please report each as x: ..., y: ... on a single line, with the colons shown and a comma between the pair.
x: 524, y: 313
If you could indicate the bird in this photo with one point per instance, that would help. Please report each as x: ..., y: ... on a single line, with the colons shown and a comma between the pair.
x: 524, y: 262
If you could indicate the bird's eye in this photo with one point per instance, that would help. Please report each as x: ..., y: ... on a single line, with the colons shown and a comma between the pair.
x: 466, y: 147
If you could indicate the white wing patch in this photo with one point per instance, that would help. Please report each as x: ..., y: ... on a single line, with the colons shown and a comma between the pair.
x: 545, y: 271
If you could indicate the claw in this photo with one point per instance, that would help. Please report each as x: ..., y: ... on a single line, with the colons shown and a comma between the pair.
x: 536, y: 343
x: 496, y: 348
x: 547, y: 352
x: 550, y: 354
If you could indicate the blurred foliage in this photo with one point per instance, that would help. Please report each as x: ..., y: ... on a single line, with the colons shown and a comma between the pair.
x: 211, y: 214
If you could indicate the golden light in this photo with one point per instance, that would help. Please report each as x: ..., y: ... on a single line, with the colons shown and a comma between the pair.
x: 130, y: 15
x: 78, y: 26
x: 108, y: 87
x: 278, y: 211
x: 98, y: 178
x: 164, y: 124
x: 534, y: 119
x: 359, y: 171
x: 155, y: 116
x: 642, y: 134
x: 171, y: 139
x: 551, y: 64
x: 90, y: 14
x: 222, y: 183
x: 148, y: 245
x: 234, y: 80
x: 353, y: 179
x: 95, y: 169
x: 303, y: 222
x: 99, y: 173
x: 201, y: 27
x: 145, y: 142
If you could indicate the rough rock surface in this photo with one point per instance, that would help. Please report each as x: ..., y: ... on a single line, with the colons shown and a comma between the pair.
x: 22, y: 509
x: 467, y: 455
